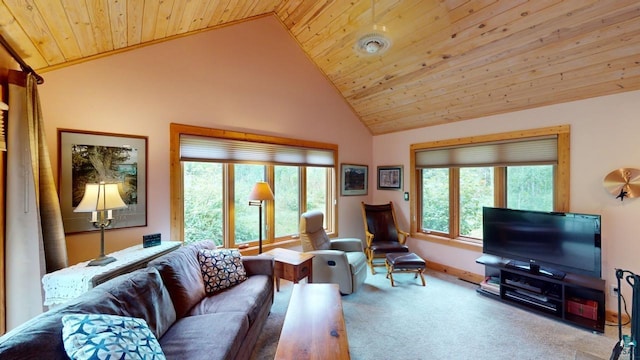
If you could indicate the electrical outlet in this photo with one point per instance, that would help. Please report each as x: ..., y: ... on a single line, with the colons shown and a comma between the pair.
x: 613, y: 290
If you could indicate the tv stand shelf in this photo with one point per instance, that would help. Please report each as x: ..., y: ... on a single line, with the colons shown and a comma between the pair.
x: 576, y: 299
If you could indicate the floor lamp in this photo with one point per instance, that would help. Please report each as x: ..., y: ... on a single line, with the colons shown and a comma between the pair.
x: 101, y: 198
x: 261, y: 192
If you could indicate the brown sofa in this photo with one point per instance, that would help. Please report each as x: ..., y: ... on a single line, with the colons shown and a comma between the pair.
x: 169, y: 295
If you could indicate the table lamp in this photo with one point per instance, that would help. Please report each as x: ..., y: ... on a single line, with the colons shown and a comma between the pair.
x: 261, y: 191
x: 101, y: 198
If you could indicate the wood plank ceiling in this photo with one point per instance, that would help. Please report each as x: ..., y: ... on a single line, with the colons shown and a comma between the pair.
x: 450, y: 60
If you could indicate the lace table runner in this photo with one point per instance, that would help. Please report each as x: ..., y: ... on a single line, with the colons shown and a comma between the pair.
x: 68, y: 283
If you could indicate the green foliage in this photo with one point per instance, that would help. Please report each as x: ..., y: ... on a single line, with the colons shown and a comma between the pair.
x: 287, y: 200
x: 530, y: 187
x: 246, y: 217
x: 203, y: 202
x: 317, y: 189
x: 204, y: 209
x: 435, y: 195
x: 476, y: 191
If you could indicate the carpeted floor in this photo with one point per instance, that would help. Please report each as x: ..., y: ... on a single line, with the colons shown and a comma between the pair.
x: 446, y: 319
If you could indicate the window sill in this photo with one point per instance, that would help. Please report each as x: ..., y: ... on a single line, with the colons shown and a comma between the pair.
x: 253, y: 250
x: 462, y: 243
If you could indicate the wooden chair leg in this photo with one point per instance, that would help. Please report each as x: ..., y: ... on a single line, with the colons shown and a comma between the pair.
x: 421, y: 276
x: 389, y: 272
x: 370, y: 257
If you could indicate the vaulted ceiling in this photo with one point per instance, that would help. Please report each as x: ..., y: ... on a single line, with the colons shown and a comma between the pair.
x: 449, y: 60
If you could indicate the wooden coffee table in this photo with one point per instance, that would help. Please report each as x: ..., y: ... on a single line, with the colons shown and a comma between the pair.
x: 314, y: 327
x: 291, y: 265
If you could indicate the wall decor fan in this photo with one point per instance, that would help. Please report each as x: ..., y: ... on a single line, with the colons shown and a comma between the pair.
x: 623, y: 182
x: 375, y: 40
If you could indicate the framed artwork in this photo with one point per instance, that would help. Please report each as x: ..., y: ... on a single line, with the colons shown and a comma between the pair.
x: 353, y: 179
x: 390, y: 177
x: 91, y: 157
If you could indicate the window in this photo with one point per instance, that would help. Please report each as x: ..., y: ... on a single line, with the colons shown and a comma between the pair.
x: 214, y: 171
x: 203, y: 201
x: 435, y: 200
x: 476, y: 191
x: 287, y: 200
x: 455, y: 179
x: 530, y: 187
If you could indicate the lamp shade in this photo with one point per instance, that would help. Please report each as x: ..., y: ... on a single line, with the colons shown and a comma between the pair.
x: 261, y: 191
x: 99, y: 197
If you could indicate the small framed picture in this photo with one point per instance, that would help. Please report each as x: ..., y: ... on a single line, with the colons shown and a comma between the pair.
x: 390, y: 177
x: 353, y: 179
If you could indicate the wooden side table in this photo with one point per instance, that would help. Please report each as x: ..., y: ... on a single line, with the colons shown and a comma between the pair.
x: 291, y: 265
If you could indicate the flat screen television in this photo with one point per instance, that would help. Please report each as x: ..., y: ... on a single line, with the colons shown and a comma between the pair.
x: 551, y: 243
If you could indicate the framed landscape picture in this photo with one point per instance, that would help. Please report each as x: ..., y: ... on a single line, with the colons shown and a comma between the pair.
x: 91, y: 157
x: 390, y: 177
x: 353, y: 179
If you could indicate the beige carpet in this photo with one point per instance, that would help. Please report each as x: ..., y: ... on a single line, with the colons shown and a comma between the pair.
x: 446, y: 319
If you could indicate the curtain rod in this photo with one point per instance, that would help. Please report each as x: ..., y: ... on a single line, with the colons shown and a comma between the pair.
x: 23, y: 65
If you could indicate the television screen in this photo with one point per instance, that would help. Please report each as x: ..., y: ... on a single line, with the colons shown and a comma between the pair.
x: 567, y: 242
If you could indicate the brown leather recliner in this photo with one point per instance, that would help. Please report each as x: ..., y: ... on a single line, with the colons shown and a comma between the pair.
x: 339, y: 261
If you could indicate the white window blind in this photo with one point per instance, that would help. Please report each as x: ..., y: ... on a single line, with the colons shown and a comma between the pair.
x: 203, y: 148
x: 532, y: 151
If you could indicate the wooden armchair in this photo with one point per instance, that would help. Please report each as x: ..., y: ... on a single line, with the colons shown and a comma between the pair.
x: 382, y: 232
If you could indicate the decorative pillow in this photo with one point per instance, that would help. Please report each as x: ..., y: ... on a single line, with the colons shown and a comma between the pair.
x: 99, y: 336
x: 221, y: 269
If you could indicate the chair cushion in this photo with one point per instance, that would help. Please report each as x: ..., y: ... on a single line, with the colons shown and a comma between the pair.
x: 211, y: 336
x: 384, y: 247
x: 405, y: 261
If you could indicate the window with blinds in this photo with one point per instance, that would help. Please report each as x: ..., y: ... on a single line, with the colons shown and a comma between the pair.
x: 214, y: 171
x: 453, y: 179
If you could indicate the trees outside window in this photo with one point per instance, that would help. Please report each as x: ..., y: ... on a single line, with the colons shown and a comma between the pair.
x: 476, y: 191
x: 435, y: 200
x: 287, y: 200
x: 203, y: 202
x: 206, y: 217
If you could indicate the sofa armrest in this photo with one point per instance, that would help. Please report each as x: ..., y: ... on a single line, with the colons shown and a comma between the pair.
x: 258, y: 265
x: 347, y: 244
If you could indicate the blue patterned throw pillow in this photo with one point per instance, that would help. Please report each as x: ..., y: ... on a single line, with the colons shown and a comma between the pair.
x: 221, y: 269
x: 99, y: 336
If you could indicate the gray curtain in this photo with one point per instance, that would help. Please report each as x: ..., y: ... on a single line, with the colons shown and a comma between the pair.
x: 35, y: 241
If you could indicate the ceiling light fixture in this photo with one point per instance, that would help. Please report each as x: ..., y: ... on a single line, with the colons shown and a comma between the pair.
x: 376, y: 40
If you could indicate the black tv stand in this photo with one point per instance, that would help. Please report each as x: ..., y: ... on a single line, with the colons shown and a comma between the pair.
x: 535, y: 269
x: 575, y: 299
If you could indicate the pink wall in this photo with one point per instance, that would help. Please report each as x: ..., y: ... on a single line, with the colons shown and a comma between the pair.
x: 250, y: 77
x: 603, y: 138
